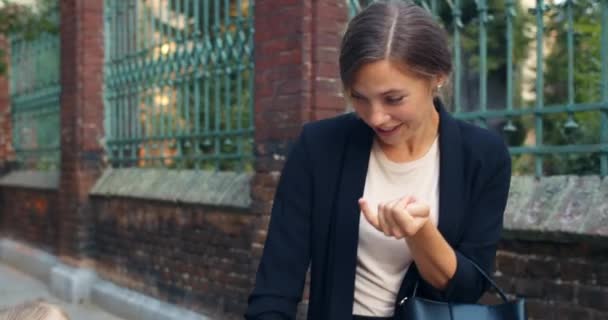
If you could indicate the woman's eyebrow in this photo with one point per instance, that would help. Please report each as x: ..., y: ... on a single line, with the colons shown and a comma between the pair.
x: 387, y: 92
x: 392, y: 91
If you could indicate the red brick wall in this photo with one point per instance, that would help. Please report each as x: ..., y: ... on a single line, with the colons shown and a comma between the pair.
x: 82, y: 54
x: 327, y: 25
x: 297, y: 76
x: 297, y: 80
x: 193, y: 256
x: 558, y: 280
x: 30, y: 216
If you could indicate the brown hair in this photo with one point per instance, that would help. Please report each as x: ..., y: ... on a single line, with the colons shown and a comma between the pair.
x: 397, y: 30
x: 34, y: 310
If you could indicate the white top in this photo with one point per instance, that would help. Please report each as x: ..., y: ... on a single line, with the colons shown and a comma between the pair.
x: 383, y: 261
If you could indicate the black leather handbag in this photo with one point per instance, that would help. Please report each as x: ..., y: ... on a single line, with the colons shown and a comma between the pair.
x: 417, y: 308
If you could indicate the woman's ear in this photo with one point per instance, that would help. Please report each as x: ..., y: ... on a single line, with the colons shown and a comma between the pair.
x: 439, y: 81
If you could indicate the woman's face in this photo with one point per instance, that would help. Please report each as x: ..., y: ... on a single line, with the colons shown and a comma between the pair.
x: 393, y: 101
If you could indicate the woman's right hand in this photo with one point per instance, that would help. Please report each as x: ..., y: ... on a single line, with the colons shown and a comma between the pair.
x: 400, y: 218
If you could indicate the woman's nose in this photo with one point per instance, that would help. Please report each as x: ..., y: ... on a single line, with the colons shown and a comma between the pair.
x: 378, y: 116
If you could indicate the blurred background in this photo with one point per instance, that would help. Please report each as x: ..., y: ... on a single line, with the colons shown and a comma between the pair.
x: 141, y: 142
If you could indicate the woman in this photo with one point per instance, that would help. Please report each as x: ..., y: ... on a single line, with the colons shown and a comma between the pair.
x: 396, y: 194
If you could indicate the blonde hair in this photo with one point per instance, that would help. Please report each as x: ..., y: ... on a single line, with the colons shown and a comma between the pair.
x: 33, y: 310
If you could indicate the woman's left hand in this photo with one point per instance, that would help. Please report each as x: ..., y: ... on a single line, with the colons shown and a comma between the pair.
x: 400, y: 218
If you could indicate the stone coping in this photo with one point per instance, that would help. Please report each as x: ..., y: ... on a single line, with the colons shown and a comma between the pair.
x: 31, y: 179
x: 229, y: 189
x: 556, y: 208
x: 560, y: 208
x: 83, y: 285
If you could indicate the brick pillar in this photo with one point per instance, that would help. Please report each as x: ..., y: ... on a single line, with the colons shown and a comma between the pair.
x: 7, y: 155
x: 296, y: 81
x: 82, y: 57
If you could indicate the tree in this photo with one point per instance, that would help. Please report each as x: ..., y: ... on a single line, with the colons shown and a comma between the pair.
x: 26, y: 21
x: 582, y: 127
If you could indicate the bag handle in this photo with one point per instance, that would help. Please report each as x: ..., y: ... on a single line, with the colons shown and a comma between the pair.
x: 503, y: 296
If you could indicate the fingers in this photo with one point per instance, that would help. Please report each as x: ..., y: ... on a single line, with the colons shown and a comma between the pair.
x: 405, y: 201
x: 399, y: 218
x: 392, y: 210
x: 372, y: 217
x: 418, y: 210
x: 383, y: 224
x: 379, y: 219
x: 387, y: 223
x: 405, y: 222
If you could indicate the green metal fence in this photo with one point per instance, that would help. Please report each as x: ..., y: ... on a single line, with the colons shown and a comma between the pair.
x: 179, y: 83
x: 537, y: 72
x: 35, y: 89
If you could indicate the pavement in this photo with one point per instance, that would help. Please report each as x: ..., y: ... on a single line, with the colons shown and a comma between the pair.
x: 17, y: 287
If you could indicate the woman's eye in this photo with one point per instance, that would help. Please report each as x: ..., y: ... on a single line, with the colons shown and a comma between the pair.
x: 394, y: 100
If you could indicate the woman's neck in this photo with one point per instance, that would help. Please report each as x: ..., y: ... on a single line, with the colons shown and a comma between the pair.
x: 418, y: 144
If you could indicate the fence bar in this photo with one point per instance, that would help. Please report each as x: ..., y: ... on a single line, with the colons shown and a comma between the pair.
x: 570, y: 123
x: 538, y: 120
x: 510, y: 14
x: 457, y: 45
x: 604, y: 90
x: 482, y: 8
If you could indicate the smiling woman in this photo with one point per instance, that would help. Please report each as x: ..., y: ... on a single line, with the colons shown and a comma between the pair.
x: 398, y: 105
x: 395, y: 196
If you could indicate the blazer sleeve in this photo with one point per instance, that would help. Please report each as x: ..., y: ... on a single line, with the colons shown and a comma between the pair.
x: 282, y: 270
x: 482, y: 233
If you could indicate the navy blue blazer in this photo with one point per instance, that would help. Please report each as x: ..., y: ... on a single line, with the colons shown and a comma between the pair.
x: 315, y: 217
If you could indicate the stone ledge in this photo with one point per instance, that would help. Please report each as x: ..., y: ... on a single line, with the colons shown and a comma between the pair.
x: 77, y: 285
x: 133, y: 305
x: 557, y: 208
x: 31, y: 179
x: 72, y: 284
x: 35, y: 262
x: 187, y: 186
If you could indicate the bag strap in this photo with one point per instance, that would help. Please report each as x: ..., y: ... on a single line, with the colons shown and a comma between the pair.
x: 503, y: 296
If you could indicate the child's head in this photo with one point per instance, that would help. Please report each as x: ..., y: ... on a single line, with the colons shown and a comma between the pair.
x: 35, y: 310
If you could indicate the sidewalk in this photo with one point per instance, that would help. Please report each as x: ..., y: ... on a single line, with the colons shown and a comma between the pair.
x: 17, y: 287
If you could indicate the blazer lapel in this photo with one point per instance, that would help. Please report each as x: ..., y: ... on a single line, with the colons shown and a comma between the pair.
x: 451, y: 177
x: 346, y: 223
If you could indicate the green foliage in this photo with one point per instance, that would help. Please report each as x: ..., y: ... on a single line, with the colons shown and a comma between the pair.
x: 496, y: 29
x: 205, y: 122
x: 228, y: 108
x: 227, y: 116
x: 587, y: 74
x: 25, y: 21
